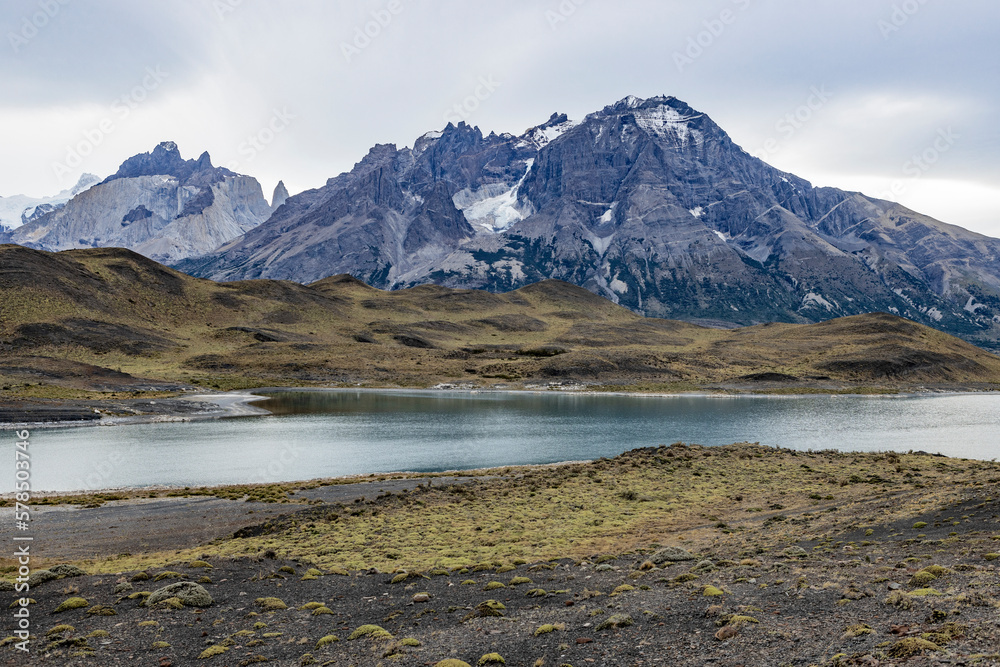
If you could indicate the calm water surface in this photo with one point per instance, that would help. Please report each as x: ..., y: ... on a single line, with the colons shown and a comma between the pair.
x: 332, y: 433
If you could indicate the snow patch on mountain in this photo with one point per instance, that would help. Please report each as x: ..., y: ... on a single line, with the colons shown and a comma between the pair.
x: 600, y: 245
x: 666, y: 122
x: 492, y: 208
x: 541, y: 136
x: 816, y: 300
x: 609, y: 215
x: 971, y: 306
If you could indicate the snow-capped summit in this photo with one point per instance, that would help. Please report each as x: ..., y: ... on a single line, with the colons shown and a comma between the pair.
x: 20, y: 209
x: 542, y: 135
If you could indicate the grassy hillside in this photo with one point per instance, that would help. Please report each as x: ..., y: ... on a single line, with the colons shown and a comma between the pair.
x: 77, y: 320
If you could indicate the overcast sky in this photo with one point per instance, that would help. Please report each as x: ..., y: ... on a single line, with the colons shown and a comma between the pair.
x: 895, y: 98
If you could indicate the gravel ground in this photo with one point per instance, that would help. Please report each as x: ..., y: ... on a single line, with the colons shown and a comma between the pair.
x: 799, y: 607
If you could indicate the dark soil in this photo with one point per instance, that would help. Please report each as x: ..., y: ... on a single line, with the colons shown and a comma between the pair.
x: 14, y: 411
x: 800, y: 608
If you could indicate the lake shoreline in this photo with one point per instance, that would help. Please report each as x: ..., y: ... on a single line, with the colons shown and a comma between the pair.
x: 724, y: 551
x: 67, y: 413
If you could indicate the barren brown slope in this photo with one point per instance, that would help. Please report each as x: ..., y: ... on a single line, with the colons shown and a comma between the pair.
x: 114, y: 309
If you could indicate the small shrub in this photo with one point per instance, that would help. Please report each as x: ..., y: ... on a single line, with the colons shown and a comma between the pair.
x: 213, y: 651
x: 858, y: 630
x: 911, y: 646
x: 370, y: 631
x: 924, y: 592
x: 72, y: 603
x: 486, y: 609
x: 270, y: 604
x: 549, y: 627
x: 329, y: 639
x: 616, y: 621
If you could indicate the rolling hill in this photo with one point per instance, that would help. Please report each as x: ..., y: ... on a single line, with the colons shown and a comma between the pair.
x: 74, y: 319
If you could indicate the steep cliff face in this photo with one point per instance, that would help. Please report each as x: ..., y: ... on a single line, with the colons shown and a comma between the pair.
x: 157, y: 204
x: 279, y: 196
x: 646, y: 202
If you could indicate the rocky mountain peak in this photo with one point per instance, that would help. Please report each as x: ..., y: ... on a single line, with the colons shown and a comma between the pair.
x: 197, y: 208
x: 166, y: 160
x: 647, y: 202
x: 279, y: 197
x: 540, y: 136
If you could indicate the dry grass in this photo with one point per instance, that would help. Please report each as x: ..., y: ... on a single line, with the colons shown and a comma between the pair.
x: 123, y: 312
x: 739, y: 498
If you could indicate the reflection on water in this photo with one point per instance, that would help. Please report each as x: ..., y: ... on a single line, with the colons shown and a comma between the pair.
x: 330, y: 433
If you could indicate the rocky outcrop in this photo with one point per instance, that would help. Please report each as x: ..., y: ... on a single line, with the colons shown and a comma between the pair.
x: 157, y: 204
x: 646, y: 202
x: 279, y: 197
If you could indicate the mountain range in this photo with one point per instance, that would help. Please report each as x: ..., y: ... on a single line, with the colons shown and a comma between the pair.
x: 157, y: 204
x: 648, y: 203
